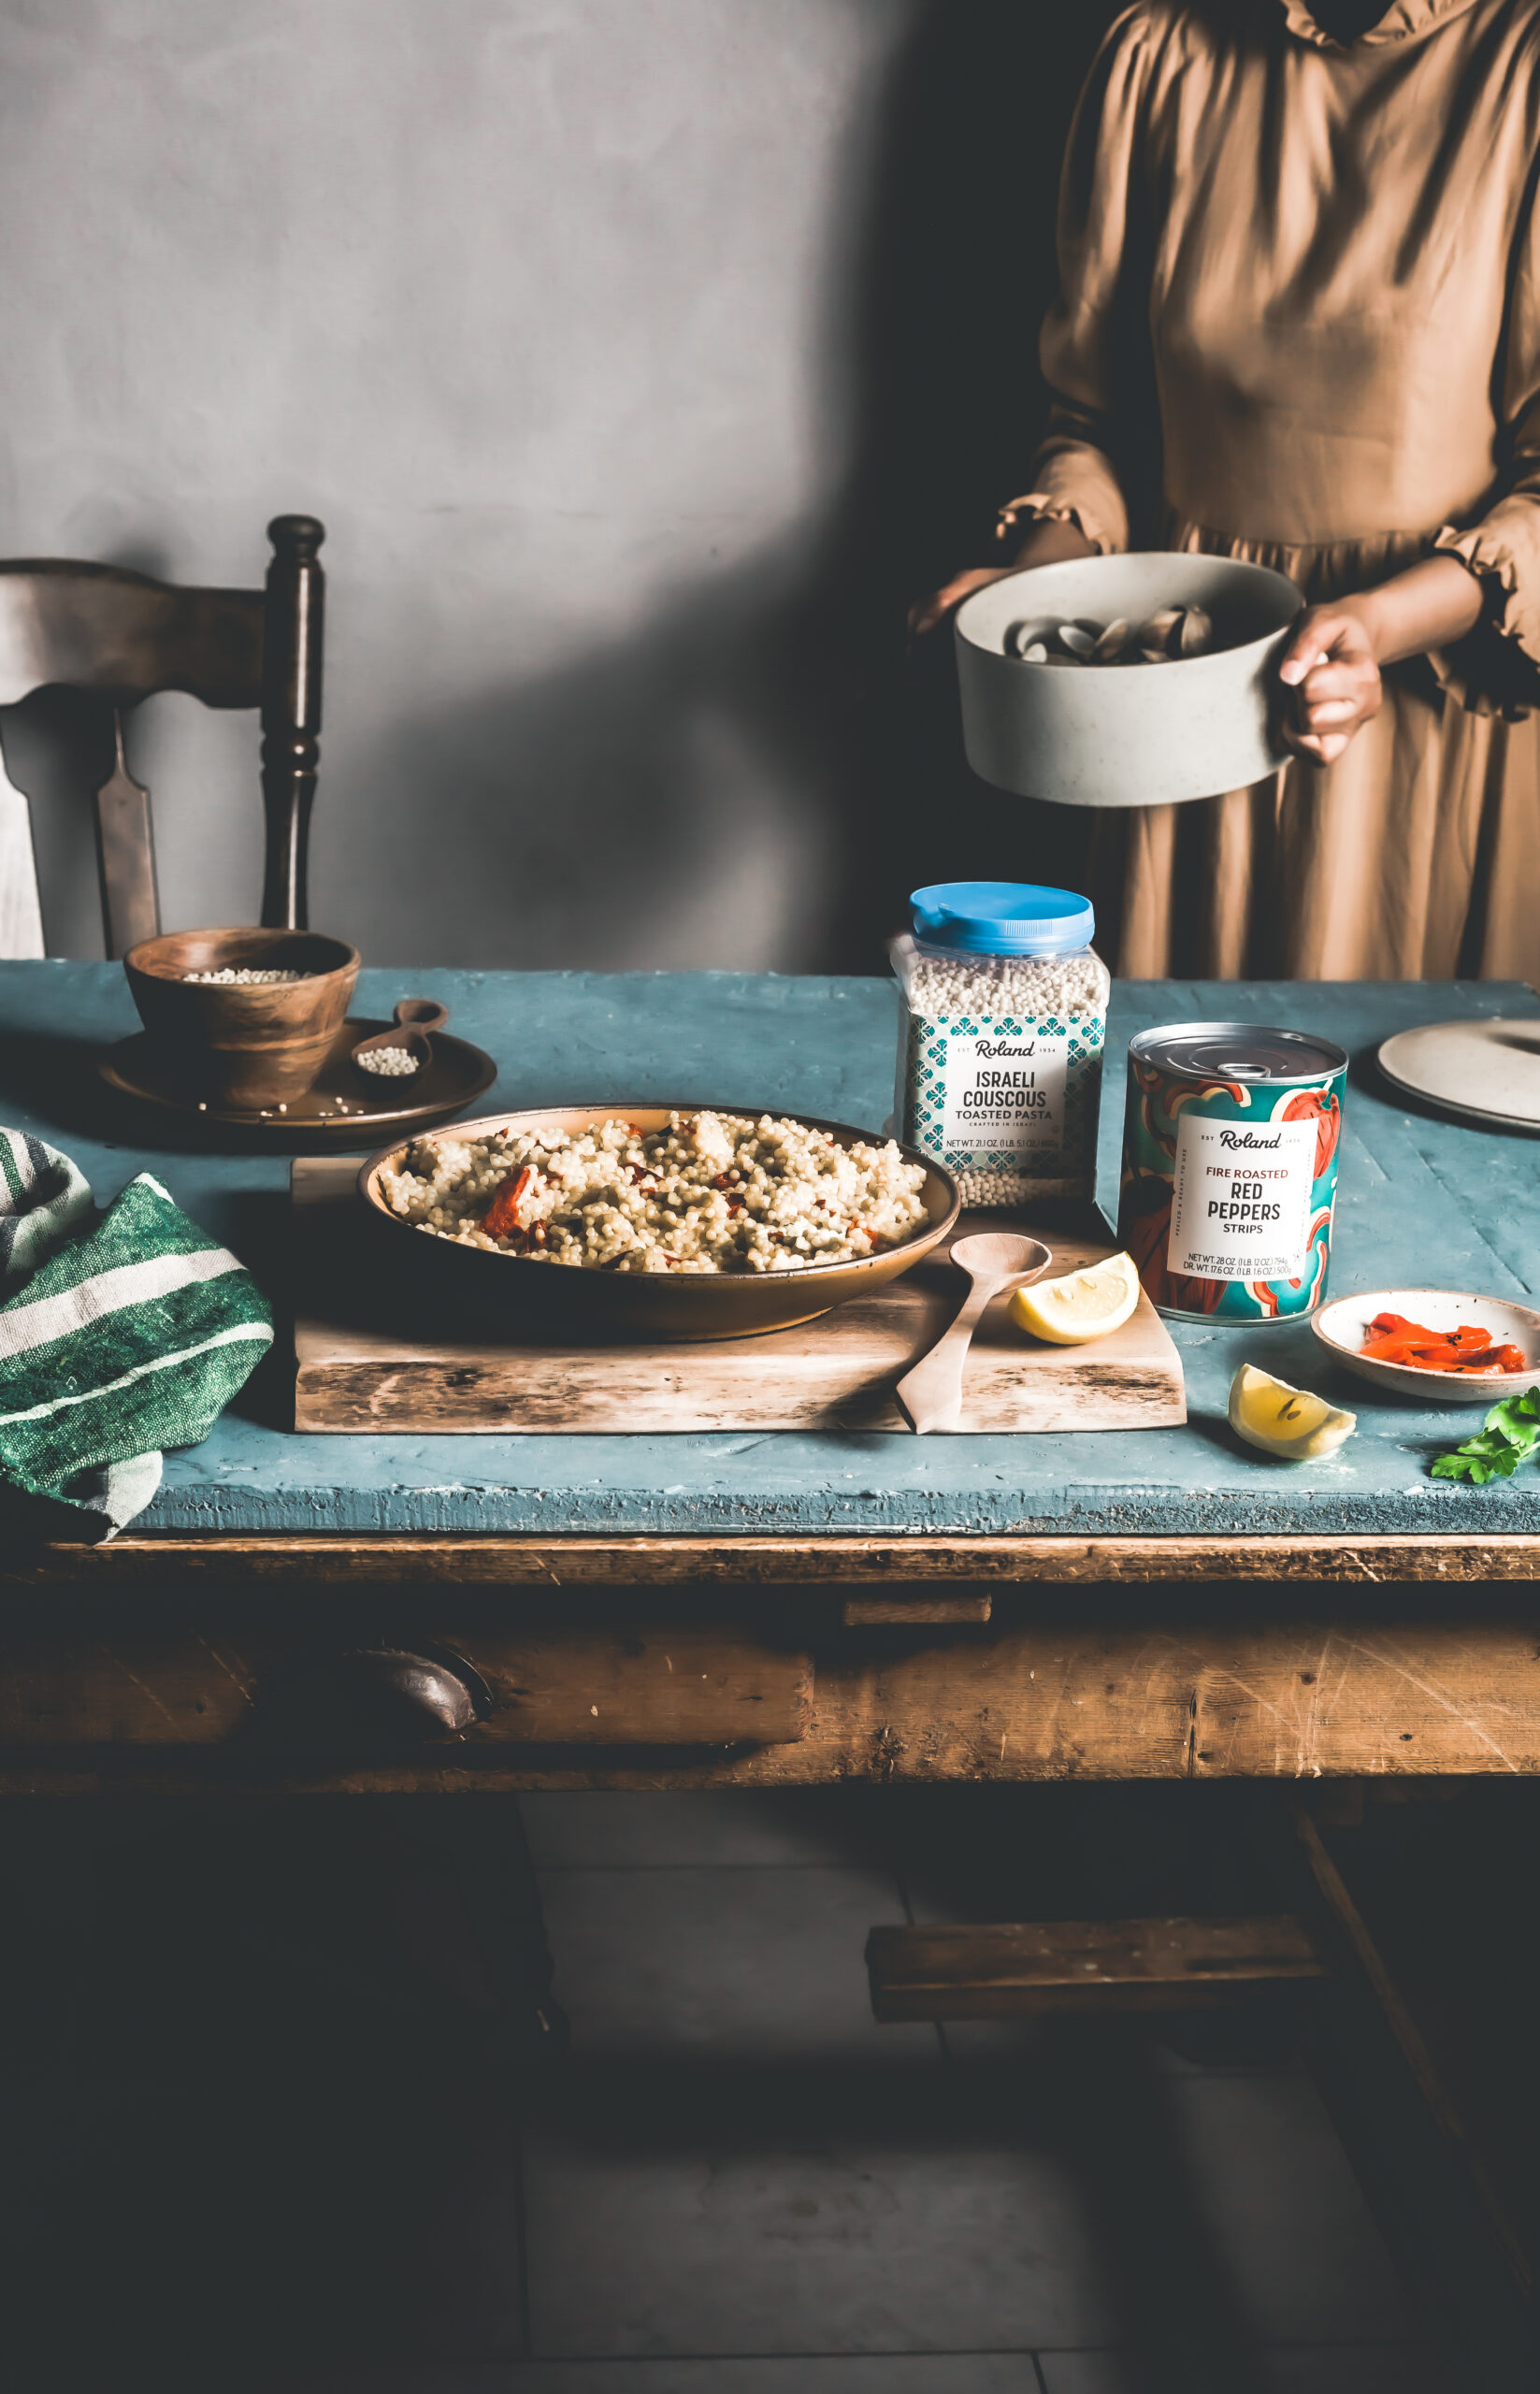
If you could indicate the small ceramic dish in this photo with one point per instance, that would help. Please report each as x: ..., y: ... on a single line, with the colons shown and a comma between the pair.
x: 249, y: 1044
x: 1341, y: 1325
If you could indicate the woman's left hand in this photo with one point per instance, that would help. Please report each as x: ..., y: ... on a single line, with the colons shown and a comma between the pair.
x: 1333, y: 669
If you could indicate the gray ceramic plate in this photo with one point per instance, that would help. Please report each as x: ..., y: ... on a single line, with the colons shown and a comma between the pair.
x: 1485, y: 1070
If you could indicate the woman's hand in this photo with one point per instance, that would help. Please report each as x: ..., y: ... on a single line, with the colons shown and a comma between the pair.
x: 1048, y: 541
x: 1331, y: 667
x: 1333, y: 663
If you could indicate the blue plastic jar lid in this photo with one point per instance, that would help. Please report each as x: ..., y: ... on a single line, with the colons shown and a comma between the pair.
x: 1003, y: 917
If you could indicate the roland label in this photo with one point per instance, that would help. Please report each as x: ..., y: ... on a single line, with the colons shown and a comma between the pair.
x: 1005, y: 1095
x: 1241, y: 1199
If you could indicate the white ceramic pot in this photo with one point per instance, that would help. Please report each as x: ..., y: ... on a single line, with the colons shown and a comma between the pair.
x: 1126, y: 735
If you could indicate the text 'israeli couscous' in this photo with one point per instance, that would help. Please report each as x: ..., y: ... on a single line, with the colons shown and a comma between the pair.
x: 714, y: 1192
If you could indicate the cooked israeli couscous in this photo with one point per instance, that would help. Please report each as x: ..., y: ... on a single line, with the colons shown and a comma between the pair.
x: 714, y: 1192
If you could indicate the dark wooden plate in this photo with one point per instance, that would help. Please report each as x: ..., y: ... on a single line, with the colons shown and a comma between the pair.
x: 519, y: 1291
x: 341, y: 1109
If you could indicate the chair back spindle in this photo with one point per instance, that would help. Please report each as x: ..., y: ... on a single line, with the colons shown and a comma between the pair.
x: 291, y: 711
x: 20, y: 909
x: 125, y: 854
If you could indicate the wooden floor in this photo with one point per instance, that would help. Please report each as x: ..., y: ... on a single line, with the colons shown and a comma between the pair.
x: 254, y: 2077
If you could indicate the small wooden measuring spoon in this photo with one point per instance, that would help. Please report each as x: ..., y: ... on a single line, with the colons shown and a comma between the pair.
x: 995, y: 1261
x: 415, y: 1019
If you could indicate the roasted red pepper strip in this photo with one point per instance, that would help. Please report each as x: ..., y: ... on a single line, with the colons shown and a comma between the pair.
x: 1495, y: 1359
x: 1393, y: 1340
x: 1396, y: 1326
x: 501, y: 1219
x: 1390, y: 1331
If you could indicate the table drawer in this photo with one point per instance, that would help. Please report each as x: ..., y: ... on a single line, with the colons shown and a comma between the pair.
x: 383, y: 1685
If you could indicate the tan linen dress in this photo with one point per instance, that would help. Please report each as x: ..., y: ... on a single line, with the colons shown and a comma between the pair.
x: 1300, y: 322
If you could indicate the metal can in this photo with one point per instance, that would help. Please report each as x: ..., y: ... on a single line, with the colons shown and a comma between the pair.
x: 1231, y: 1143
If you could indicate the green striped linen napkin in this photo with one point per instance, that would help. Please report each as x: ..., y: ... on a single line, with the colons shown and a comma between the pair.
x: 119, y: 1336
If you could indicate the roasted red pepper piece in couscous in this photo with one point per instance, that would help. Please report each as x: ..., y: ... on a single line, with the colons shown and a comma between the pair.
x: 501, y: 1219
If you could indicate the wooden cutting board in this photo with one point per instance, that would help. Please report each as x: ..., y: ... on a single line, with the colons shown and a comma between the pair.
x: 357, y: 1372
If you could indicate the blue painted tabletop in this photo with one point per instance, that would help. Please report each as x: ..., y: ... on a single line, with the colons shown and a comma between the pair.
x: 1422, y: 1200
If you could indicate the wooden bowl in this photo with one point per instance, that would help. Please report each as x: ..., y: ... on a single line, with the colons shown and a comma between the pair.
x: 515, y: 1292
x: 242, y: 1047
x: 1341, y: 1325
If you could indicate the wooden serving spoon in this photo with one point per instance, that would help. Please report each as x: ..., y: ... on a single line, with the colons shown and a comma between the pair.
x: 415, y: 1017
x: 995, y: 1261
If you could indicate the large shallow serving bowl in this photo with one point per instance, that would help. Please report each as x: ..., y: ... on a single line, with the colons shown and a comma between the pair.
x: 241, y: 1044
x: 1341, y: 1326
x: 513, y: 1293
x: 1126, y: 735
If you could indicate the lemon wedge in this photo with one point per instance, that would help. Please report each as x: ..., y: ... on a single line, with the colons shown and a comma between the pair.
x: 1285, y: 1421
x: 1080, y: 1304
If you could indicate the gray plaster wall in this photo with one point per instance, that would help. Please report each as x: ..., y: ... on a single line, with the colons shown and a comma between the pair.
x: 641, y: 358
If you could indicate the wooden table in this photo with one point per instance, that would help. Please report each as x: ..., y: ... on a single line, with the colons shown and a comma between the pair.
x: 764, y: 1609
x: 302, y: 1613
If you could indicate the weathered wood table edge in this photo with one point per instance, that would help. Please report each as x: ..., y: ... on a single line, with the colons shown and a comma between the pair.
x: 912, y: 1560
x: 650, y: 1662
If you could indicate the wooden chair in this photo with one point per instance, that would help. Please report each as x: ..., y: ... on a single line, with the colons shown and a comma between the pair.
x: 121, y: 635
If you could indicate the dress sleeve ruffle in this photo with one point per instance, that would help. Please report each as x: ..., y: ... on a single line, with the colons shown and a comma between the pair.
x: 1496, y: 668
x: 1076, y: 484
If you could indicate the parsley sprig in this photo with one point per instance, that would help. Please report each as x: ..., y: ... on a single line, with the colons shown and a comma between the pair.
x: 1510, y: 1433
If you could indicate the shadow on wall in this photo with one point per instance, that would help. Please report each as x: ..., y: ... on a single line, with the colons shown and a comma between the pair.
x: 760, y: 778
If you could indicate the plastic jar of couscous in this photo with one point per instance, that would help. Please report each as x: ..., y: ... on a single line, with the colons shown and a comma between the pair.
x: 1002, y: 1018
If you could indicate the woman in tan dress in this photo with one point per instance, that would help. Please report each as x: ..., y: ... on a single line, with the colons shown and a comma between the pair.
x: 1299, y: 322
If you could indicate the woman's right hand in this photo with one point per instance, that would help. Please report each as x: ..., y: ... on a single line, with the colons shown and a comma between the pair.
x: 1048, y: 541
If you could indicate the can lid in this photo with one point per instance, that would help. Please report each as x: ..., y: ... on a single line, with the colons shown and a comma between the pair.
x: 1238, y: 1051
x: 1003, y: 917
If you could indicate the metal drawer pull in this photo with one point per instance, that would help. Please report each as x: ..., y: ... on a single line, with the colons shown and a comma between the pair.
x: 449, y: 1695
x: 376, y: 1698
